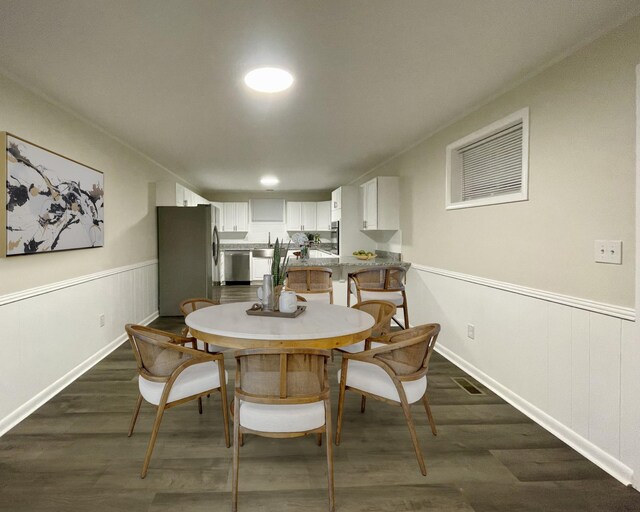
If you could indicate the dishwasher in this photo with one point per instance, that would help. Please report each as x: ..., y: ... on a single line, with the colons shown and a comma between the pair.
x: 237, y: 269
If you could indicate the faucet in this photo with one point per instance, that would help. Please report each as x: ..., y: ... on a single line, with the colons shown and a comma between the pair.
x: 269, y: 242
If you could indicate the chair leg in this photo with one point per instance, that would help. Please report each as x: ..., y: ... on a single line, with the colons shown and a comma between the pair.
x: 414, y: 436
x: 225, y: 415
x: 319, y: 439
x: 327, y: 409
x: 406, y: 316
x: 241, y: 439
x: 135, y: 415
x: 152, y: 441
x: 427, y: 408
x: 363, y: 403
x: 343, y: 384
x: 200, y: 404
x: 237, y: 436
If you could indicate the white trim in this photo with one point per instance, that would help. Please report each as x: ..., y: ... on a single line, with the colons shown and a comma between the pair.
x: 603, y: 308
x: 521, y: 115
x: 48, y: 288
x: 10, y: 421
x: 585, y: 447
x: 636, y: 331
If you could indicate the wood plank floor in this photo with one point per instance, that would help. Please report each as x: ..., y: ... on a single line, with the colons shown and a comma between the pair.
x: 73, y: 455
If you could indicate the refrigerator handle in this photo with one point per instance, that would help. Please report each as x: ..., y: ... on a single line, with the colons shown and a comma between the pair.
x: 215, y: 246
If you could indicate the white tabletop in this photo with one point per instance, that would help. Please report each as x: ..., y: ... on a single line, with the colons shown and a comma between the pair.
x: 319, y: 321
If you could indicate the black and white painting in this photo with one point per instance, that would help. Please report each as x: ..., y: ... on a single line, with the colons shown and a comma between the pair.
x: 53, y: 203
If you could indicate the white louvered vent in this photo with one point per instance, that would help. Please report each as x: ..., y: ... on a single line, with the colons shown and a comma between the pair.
x: 489, y: 166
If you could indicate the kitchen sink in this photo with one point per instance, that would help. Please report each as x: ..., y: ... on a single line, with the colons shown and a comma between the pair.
x: 262, y: 253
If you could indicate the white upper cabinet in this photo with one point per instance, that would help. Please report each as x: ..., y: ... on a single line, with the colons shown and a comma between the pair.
x: 294, y: 215
x: 235, y: 217
x: 323, y: 216
x: 380, y: 204
x: 301, y: 216
x: 170, y: 193
x: 309, y: 213
x: 336, y: 199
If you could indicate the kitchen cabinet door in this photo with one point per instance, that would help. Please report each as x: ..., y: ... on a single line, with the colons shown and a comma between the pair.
x: 235, y: 217
x: 380, y: 204
x: 336, y: 199
x: 260, y: 267
x: 228, y: 217
x: 323, y: 216
x: 242, y: 216
x: 294, y: 216
x: 369, y: 199
x: 309, y: 212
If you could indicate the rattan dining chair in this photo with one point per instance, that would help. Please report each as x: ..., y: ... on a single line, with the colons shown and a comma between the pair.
x: 382, y: 311
x: 311, y: 283
x: 170, y: 374
x: 380, y: 283
x: 395, y: 373
x: 191, y: 305
x: 281, y: 393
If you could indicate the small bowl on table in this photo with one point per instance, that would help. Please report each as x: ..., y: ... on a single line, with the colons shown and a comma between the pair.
x: 365, y: 257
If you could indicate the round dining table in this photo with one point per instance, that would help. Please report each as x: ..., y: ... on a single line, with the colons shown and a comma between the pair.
x: 321, y: 325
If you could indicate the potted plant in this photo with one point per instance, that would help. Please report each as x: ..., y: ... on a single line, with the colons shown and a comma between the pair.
x: 279, y: 271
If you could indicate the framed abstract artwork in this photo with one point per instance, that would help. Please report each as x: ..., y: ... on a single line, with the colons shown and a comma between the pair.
x: 53, y: 203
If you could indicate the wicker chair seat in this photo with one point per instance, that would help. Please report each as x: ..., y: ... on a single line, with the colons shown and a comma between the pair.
x: 193, y: 380
x: 394, y: 297
x: 372, y: 379
x: 359, y: 347
x: 282, y: 418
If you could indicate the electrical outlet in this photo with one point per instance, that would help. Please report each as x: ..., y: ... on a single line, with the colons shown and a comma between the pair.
x: 101, y: 319
x: 471, y: 331
x: 614, y: 252
x: 600, y: 251
x: 608, y: 251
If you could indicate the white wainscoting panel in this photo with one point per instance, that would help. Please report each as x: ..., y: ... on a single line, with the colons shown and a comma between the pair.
x: 49, y: 336
x: 559, y: 360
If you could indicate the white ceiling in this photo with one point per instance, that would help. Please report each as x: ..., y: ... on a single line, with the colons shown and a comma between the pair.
x: 372, y: 76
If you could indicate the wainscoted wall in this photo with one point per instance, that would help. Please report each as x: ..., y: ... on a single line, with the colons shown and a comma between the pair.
x: 565, y: 362
x: 51, y: 334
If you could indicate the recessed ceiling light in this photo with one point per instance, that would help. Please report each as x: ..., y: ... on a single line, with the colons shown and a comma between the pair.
x: 269, y: 181
x: 268, y: 80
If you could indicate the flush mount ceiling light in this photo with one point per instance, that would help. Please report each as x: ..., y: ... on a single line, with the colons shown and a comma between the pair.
x: 269, y: 181
x: 268, y: 80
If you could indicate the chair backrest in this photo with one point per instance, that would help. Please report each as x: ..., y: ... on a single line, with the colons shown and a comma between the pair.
x: 281, y: 376
x: 379, y: 278
x: 153, y: 350
x: 190, y: 305
x: 382, y: 311
x: 309, y: 279
x: 415, y: 346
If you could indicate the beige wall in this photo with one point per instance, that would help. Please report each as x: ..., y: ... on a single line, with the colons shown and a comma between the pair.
x: 130, y: 232
x: 581, y: 182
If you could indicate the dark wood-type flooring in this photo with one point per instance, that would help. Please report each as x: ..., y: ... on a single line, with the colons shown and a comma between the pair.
x: 73, y: 454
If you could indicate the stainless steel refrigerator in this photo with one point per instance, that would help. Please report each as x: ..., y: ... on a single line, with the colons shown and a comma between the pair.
x: 188, y: 255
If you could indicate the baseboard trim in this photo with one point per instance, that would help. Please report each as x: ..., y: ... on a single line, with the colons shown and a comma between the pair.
x: 603, y: 308
x: 585, y: 447
x: 10, y: 421
x: 48, y: 288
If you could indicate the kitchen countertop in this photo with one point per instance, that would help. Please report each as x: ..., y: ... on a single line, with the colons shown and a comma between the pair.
x: 247, y: 246
x: 348, y: 261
